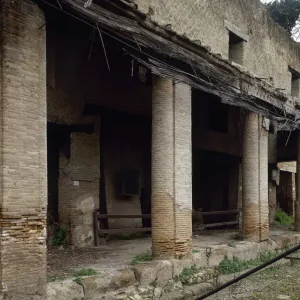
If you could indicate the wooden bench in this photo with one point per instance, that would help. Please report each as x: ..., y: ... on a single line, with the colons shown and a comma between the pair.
x: 218, y: 213
x: 100, y: 232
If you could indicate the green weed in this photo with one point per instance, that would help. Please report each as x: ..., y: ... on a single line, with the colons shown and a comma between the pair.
x: 60, y: 236
x: 282, y: 218
x: 85, y: 272
x: 230, y: 266
x: 142, y: 258
x: 187, y: 273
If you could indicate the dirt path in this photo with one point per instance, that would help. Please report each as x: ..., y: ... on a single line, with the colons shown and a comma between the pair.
x: 275, y: 283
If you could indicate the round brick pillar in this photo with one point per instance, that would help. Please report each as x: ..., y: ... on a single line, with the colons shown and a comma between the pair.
x: 171, y: 169
x: 250, y: 223
x: 163, y: 231
x: 297, y: 203
x: 255, y: 218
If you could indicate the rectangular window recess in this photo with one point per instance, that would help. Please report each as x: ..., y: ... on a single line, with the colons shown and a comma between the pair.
x: 295, y: 82
x: 234, y: 30
x: 294, y: 72
x: 236, y: 44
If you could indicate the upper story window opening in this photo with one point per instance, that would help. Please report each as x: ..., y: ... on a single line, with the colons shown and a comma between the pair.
x: 295, y: 83
x: 237, y: 43
x: 236, y: 48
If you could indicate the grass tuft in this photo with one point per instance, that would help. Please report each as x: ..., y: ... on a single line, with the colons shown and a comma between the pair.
x: 144, y: 257
x: 85, y: 272
x: 230, y: 266
x: 187, y: 273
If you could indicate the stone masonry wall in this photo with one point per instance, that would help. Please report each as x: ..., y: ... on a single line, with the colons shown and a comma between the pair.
x: 23, y: 177
x: 269, y: 49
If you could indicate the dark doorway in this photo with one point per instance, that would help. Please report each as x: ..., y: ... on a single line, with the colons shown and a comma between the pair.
x: 53, y: 171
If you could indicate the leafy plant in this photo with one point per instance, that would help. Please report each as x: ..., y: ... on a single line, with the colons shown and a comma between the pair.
x: 142, y: 258
x: 85, y: 272
x: 283, y: 218
x: 230, y: 266
x: 60, y: 236
x: 196, y: 251
x: 187, y: 273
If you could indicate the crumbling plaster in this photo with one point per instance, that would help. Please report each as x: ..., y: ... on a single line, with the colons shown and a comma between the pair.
x: 269, y: 49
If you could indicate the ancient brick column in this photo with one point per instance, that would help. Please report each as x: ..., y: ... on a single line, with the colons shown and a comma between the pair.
x: 297, y: 202
x: 23, y: 177
x: 171, y: 169
x: 255, y: 225
x: 183, y: 169
x: 263, y: 179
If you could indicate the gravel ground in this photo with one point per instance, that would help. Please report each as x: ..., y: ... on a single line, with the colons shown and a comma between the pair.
x: 277, y: 283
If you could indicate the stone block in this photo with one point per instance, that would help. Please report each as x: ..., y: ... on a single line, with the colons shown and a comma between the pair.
x: 164, y: 273
x: 83, y: 236
x: 200, y: 260
x: 96, y: 285
x: 243, y: 251
x: 146, y: 274
x: 123, y: 278
x: 200, y: 288
x: 215, y: 256
x: 179, y: 265
x: 64, y: 290
x: 157, y: 293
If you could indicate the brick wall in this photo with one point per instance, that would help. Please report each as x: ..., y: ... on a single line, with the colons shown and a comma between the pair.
x: 79, y: 179
x: 23, y: 177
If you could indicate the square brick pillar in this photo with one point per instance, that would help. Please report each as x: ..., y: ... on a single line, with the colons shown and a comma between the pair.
x: 255, y: 219
x: 79, y: 187
x: 171, y: 169
x: 23, y: 177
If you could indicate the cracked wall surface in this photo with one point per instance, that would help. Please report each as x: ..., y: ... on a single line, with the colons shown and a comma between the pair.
x: 268, y: 51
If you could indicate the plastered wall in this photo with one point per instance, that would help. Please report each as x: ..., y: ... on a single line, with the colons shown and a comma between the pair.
x: 269, y: 49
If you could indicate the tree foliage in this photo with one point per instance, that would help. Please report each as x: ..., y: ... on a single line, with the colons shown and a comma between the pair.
x: 285, y: 12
